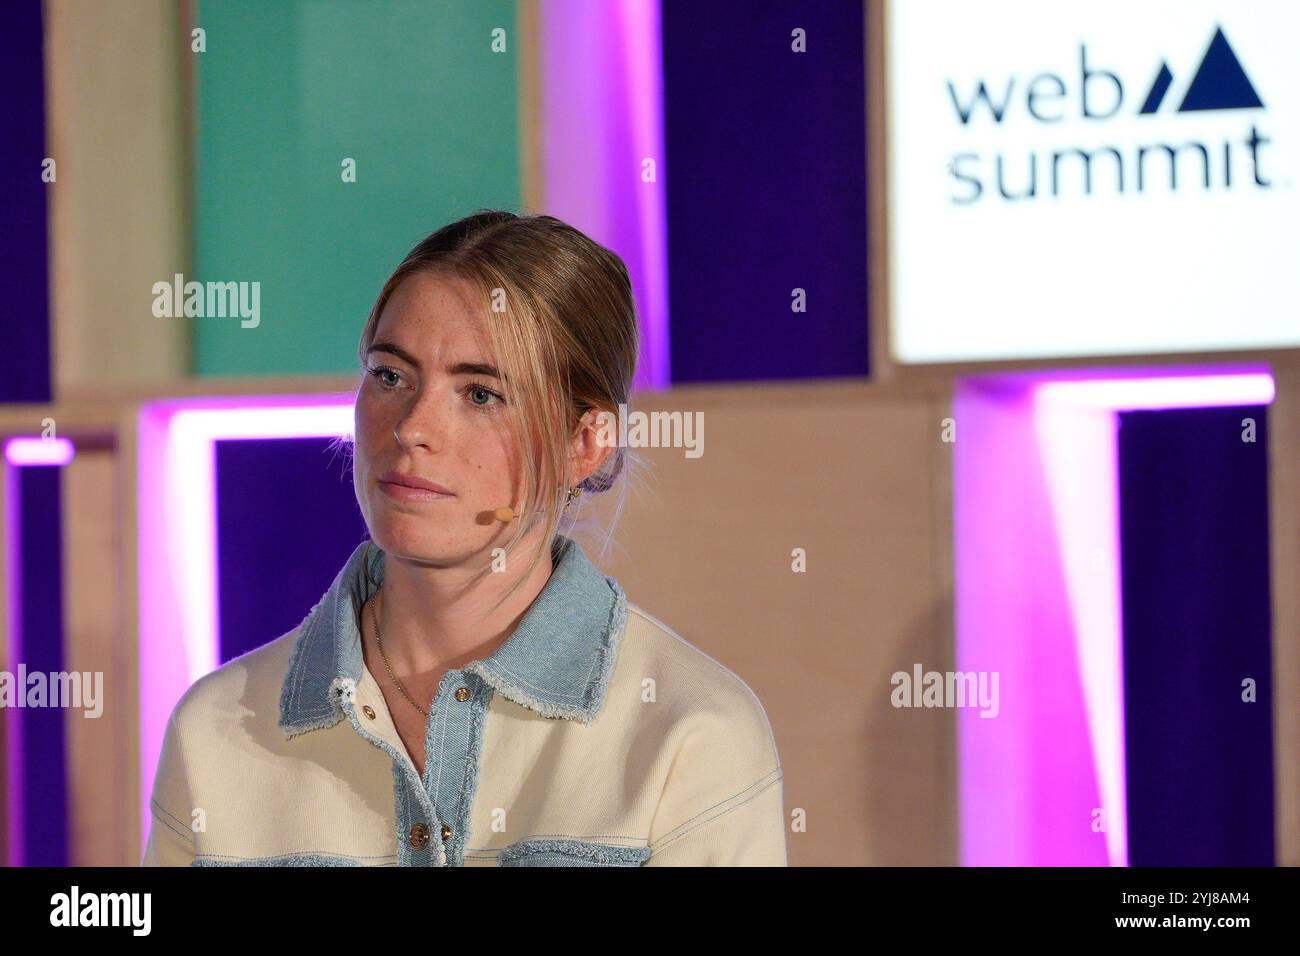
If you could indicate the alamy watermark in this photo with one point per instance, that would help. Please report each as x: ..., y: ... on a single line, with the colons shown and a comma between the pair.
x: 130, y: 910
x: 209, y: 300
x: 946, y: 689
x: 63, y: 689
x: 652, y: 430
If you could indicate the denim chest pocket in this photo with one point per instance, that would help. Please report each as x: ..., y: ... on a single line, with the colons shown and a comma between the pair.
x: 294, y: 859
x: 566, y: 852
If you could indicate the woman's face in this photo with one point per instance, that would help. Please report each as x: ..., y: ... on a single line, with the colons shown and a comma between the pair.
x: 430, y: 407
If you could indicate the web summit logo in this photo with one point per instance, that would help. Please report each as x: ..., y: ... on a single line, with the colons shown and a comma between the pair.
x: 1219, y: 83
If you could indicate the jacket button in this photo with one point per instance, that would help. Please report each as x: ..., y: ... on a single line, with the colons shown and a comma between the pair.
x: 368, y: 711
x: 462, y: 694
x: 446, y: 832
x: 419, y: 837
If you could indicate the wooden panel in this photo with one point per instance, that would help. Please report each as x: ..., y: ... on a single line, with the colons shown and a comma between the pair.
x: 1284, y: 535
x: 528, y: 47
x: 117, y: 222
x: 860, y: 481
x: 129, y: 603
x: 98, y: 789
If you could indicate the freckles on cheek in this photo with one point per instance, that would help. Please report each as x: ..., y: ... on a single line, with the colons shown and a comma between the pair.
x: 369, y: 426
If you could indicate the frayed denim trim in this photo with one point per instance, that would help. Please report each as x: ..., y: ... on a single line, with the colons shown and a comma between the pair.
x: 301, y: 725
x: 294, y: 718
x: 579, y: 837
x: 609, y: 648
x: 593, y: 697
x: 343, y: 688
x: 455, y: 848
x: 328, y: 644
x: 340, y: 688
x: 545, y: 708
x: 291, y: 859
x: 571, y: 853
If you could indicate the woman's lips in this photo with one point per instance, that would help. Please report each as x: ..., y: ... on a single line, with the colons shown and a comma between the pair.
x: 411, y: 488
x: 407, y: 493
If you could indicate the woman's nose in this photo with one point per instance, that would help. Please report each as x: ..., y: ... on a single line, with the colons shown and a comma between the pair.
x: 421, y: 425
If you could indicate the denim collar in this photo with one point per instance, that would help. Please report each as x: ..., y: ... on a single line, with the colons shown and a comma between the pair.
x: 557, y: 662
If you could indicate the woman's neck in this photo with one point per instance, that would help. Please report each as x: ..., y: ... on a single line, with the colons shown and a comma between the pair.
x: 432, y: 619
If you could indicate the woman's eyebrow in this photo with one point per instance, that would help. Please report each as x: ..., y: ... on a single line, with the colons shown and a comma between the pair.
x: 401, y: 353
x: 476, y: 368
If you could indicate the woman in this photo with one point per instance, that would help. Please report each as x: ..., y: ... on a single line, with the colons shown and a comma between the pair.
x: 471, y: 690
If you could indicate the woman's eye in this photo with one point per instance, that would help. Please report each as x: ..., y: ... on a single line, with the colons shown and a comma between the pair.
x: 382, y: 373
x: 482, y: 396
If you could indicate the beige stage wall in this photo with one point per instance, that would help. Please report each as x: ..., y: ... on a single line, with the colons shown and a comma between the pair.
x: 859, y: 480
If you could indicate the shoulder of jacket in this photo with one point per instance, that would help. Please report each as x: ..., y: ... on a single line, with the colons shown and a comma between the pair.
x: 253, y: 678
x: 714, y: 692
x: 651, y: 637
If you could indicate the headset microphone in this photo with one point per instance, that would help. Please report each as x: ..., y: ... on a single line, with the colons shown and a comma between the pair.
x: 506, y: 514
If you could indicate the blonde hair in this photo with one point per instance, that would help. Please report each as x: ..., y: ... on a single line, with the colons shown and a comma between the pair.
x: 562, y: 322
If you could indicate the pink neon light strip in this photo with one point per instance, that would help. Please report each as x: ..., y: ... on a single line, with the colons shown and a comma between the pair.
x: 14, y: 777
x: 1167, y: 391
x: 1039, y: 598
x: 38, y: 451
x: 179, y: 622
x: 602, y: 118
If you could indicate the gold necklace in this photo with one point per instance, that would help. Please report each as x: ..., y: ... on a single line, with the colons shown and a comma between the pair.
x: 379, y: 641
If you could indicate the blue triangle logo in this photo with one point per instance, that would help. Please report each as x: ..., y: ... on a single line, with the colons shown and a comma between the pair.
x: 1158, y: 89
x: 1220, y: 83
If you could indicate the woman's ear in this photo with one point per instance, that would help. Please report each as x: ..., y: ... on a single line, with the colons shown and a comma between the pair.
x: 593, y: 441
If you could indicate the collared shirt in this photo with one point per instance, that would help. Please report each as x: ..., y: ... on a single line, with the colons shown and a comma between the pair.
x: 593, y: 736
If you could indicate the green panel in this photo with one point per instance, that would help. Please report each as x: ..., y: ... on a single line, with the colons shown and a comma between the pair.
x: 286, y: 90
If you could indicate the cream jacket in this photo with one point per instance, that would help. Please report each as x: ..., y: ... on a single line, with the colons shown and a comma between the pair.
x: 594, y: 736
